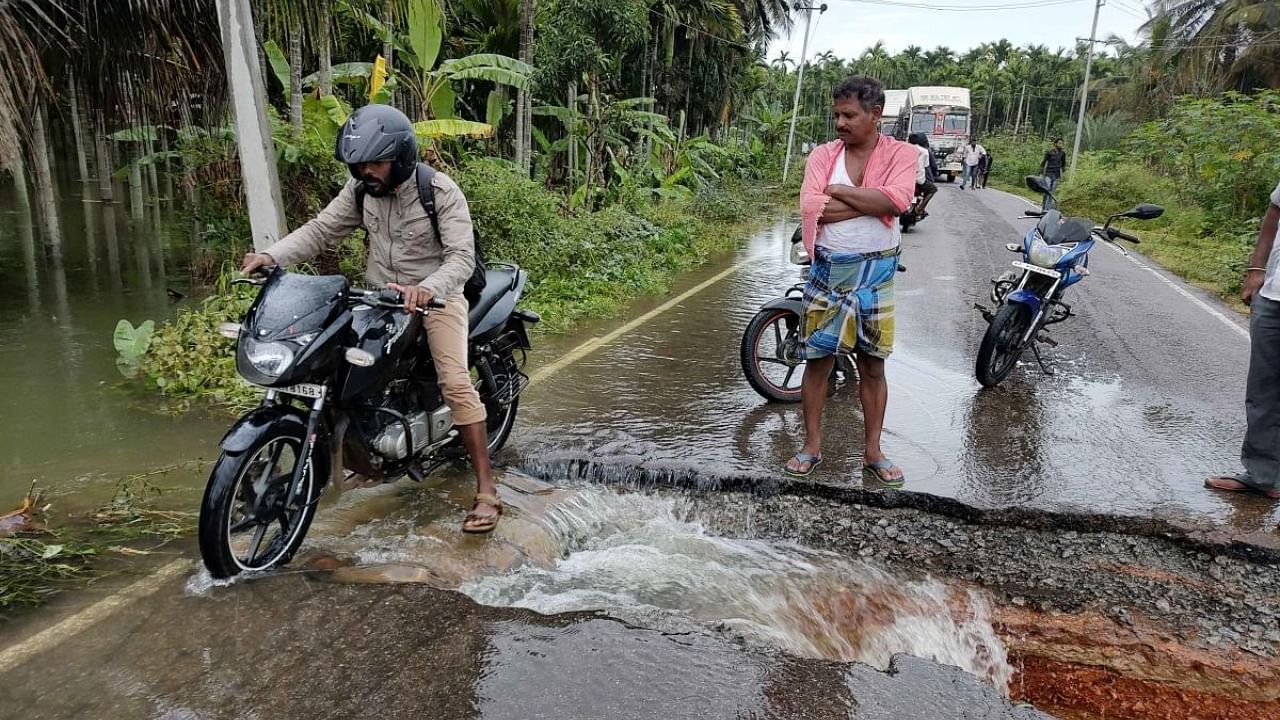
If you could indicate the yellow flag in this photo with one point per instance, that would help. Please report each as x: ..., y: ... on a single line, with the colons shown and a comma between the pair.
x: 379, y: 77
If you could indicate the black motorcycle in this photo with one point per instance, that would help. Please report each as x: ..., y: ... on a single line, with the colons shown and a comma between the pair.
x: 350, y: 388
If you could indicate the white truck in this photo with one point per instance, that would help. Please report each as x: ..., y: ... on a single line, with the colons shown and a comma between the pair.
x: 942, y: 114
x: 893, y: 102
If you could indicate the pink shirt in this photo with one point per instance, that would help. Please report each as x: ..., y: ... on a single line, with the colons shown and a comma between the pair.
x: 891, y: 169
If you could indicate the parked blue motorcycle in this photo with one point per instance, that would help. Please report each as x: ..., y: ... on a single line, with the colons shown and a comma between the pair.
x: 1055, y: 256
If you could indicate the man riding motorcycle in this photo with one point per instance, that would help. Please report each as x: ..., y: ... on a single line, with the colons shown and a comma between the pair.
x: 405, y: 254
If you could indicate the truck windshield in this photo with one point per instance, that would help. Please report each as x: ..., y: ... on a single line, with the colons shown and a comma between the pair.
x: 956, y: 124
x: 952, y: 123
x: 922, y: 122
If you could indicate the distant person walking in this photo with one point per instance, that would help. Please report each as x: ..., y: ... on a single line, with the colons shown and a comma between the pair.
x: 1260, y: 454
x: 1055, y: 159
x: 984, y: 169
x: 973, y: 153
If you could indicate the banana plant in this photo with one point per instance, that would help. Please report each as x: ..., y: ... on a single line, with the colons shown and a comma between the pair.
x: 432, y: 83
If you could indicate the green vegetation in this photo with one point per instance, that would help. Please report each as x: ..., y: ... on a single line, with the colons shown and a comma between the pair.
x: 581, y: 263
x: 38, y: 563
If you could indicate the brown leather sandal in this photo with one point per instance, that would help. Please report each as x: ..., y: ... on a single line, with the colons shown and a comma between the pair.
x: 1236, y: 483
x: 477, y: 523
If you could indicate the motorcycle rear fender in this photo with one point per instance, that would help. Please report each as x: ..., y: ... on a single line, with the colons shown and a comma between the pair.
x: 1025, y: 297
x: 241, y: 435
x: 795, y: 305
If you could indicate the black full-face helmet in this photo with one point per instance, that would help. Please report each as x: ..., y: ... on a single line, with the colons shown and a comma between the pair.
x: 375, y: 133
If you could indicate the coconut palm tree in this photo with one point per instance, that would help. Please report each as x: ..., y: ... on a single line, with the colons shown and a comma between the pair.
x: 1234, y: 42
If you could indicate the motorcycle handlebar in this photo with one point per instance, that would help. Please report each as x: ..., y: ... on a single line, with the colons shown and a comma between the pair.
x: 389, y: 299
x: 1122, y: 235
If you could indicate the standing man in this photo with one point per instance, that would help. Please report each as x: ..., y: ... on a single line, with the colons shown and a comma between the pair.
x: 973, y: 153
x: 1260, y: 454
x: 854, y: 190
x: 379, y: 147
x: 1053, y: 163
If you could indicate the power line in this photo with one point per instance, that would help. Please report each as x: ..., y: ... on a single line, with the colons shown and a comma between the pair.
x: 989, y: 7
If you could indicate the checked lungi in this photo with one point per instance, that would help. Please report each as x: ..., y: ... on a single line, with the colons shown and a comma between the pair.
x: 848, y: 303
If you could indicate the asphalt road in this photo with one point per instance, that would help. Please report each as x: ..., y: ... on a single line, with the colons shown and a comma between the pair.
x: 1147, y: 399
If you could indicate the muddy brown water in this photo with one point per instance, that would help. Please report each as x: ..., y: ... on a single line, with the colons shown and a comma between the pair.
x: 71, y: 421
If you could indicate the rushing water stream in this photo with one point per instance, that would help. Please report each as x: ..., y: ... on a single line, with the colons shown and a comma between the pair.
x: 638, y: 554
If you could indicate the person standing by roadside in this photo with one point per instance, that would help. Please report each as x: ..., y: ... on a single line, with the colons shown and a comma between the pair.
x: 1055, y: 159
x: 984, y: 164
x: 1260, y: 453
x: 987, y: 162
x: 973, y: 152
x: 854, y: 190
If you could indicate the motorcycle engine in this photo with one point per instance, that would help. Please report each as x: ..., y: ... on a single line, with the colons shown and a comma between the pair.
x: 429, y: 420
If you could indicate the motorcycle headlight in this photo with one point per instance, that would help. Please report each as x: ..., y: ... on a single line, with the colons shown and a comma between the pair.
x: 1046, y: 256
x: 799, y: 256
x: 269, y: 358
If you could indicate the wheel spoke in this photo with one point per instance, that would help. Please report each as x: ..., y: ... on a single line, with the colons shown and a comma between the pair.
x: 257, y: 543
x: 241, y: 526
x: 262, y: 483
x: 786, y: 381
x: 776, y: 361
x: 777, y: 334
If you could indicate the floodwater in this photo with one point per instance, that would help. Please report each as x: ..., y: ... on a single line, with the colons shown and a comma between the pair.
x: 1121, y: 432
x: 71, y: 421
x: 647, y: 559
x: 1120, y: 428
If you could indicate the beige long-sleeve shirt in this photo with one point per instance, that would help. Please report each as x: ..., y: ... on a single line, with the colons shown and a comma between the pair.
x: 403, y: 247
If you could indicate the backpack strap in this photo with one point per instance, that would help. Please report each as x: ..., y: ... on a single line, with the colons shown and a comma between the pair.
x: 360, y: 193
x: 427, y: 195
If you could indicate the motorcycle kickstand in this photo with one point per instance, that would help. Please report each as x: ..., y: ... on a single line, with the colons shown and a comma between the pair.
x: 1044, y: 367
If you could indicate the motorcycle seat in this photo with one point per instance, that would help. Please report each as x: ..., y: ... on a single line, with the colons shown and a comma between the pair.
x: 497, y: 283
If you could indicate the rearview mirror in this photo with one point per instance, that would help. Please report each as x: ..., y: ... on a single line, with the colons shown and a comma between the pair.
x: 1145, y: 211
x: 1039, y: 184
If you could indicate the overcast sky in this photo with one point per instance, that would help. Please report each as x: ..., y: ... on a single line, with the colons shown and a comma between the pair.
x: 850, y: 26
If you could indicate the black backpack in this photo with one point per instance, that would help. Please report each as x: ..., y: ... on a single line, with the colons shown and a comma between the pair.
x: 427, y: 196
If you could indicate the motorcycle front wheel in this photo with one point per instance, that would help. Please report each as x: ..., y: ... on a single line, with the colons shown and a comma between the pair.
x: 1002, y: 344
x: 248, y: 523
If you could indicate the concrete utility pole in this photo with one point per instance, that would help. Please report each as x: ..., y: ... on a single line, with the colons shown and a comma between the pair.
x: 1084, y: 89
x: 795, y: 104
x: 253, y: 130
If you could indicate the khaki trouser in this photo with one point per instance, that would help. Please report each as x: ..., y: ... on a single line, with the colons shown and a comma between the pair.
x: 447, y: 330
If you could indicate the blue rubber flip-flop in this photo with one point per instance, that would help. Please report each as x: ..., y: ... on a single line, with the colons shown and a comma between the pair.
x: 813, y: 460
x: 884, y: 464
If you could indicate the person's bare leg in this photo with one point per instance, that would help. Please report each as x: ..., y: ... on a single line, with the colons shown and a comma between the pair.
x: 476, y: 441
x: 813, y: 400
x: 873, y: 390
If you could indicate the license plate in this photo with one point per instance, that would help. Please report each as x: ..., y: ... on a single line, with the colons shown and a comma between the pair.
x: 1037, y: 269
x: 304, y: 390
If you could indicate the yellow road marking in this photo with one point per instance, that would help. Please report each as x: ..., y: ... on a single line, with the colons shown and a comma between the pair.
x: 594, y: 344
x: 22, y: 650
x: 83, y: 620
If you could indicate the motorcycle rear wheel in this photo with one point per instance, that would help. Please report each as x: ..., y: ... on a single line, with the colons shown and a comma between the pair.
x: 234, y: 540
x: 782, y: 328
x: 1002, y: 344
